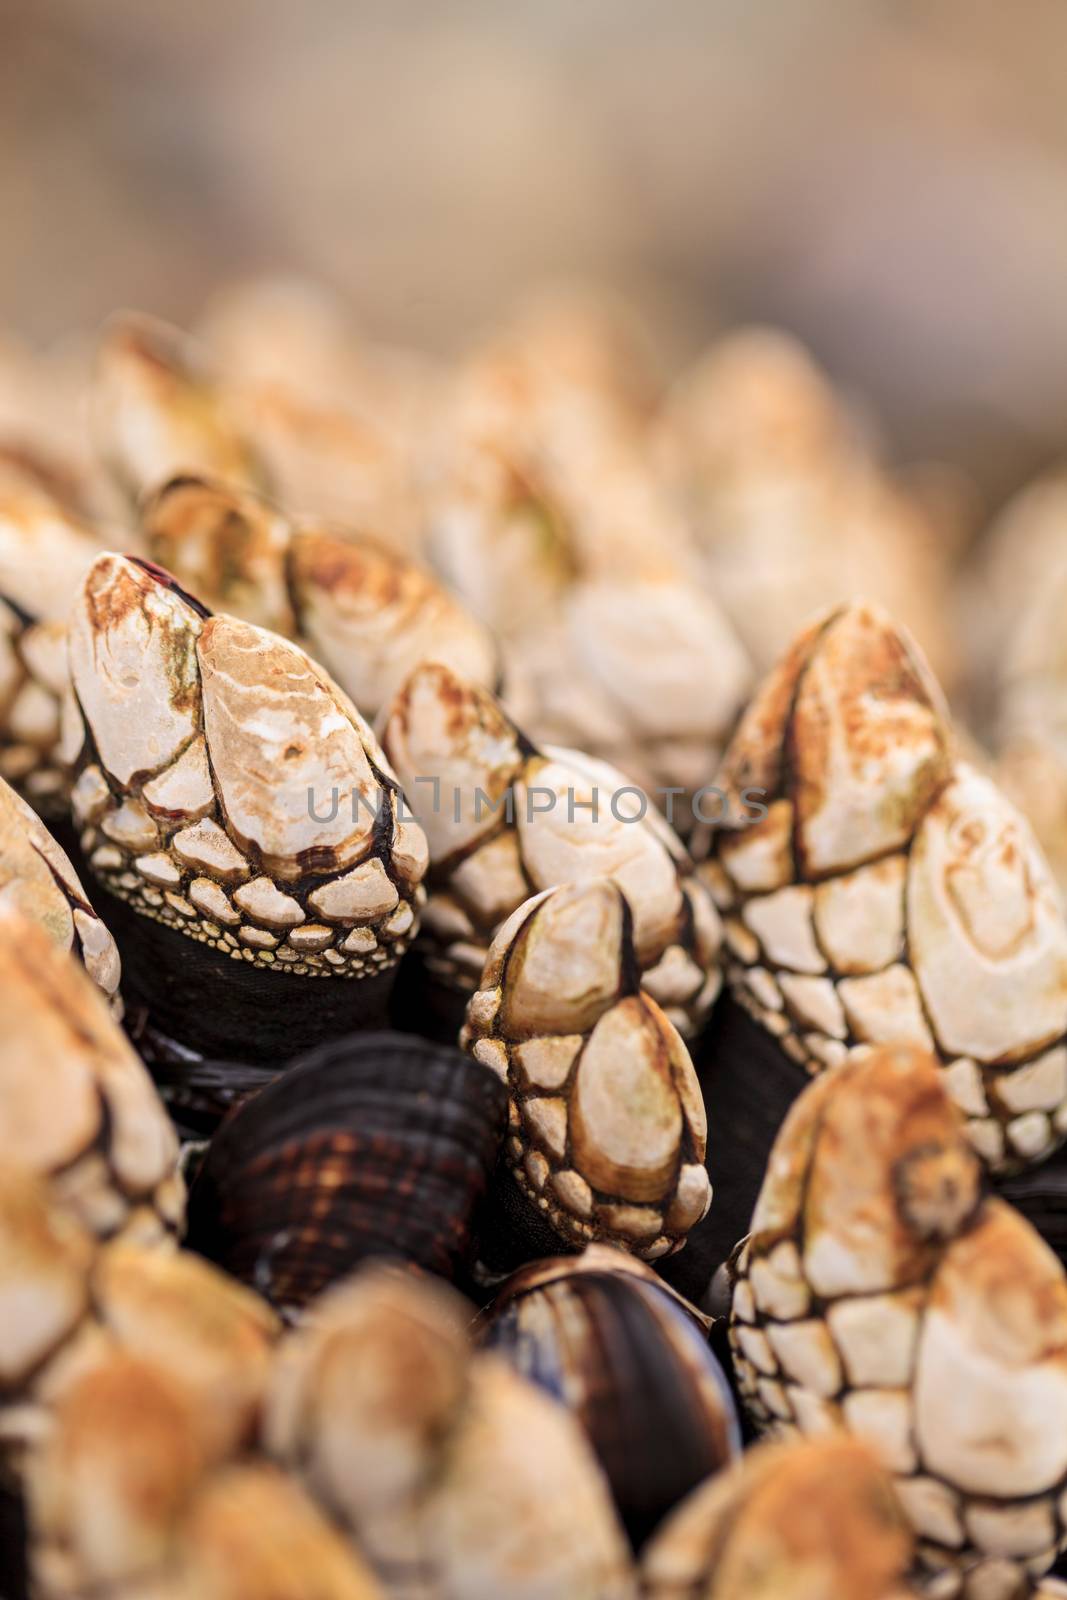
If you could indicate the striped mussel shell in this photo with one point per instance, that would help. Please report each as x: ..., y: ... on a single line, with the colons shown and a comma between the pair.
x: 368, y: 613
x: 380, y: 1144
x: 77, y: 1106
x: 46, y: 547
x: 607, y: 1131
x: 158, y: 409
x: 197, y: 1091
x: 505, y: 820
x: 239, y: 813
x: 884, y: 891
x: 631, y: 1360
x: 37, y: 881
x: 882, y: 1293
x: 455, y: 1475
x: 807, y: 1520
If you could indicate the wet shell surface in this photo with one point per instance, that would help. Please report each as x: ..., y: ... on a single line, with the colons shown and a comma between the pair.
x: 223, y: 1553
x: 788, y: 506
x: 817, y: 1518
x: 631, y: 1361
x: 71, y: 1300
x: 341, y: 421
x: 881, y: 1294
x: 538, y: 472
x: 888, y: 892
x: 230, y: 792
x: 368, y: 613
x: 607, y: 1129
x: 642, y: 671
x: 157, y: 409
x: 77, y: 1106
x: 376, y: 1145
x: 505, y: 820
x: 130, y: 1488
x: 106, y: 1489
x: 46, y: 548
x: 500, y: 538
x: 459, y: 1479
x: 37, y: 881
x: 1029, y: 730
x: 547, y: 516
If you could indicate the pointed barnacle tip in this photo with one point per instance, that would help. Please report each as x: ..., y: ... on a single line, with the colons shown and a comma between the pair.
x: 938, y: 1187
x: 167, y: 580
x: 142, y: 336
x: 185, y: 480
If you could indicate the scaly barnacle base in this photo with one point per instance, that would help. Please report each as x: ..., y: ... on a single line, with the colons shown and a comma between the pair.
x: 317, y: 951
x: 181, y: 998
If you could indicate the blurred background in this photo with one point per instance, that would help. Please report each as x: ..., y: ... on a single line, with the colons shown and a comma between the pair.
x: 885, y: 179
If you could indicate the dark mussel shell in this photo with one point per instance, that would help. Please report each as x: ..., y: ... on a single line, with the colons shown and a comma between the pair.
x: 380, y: 1144
x: 197, y: 1093
x: 632, y: 1361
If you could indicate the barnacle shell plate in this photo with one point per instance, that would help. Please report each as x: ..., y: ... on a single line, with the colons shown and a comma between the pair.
x: 608, y: 1131
x: 505, y: 820
x: 457, y: 1476
x: 788, y: 1522
x: 880, y: 1294
x: 157, y: 409
x: 38, y: 881
x: 891, y: 893
x: 76, y: 1104
x: 366, y: 612
x: 231, y: 790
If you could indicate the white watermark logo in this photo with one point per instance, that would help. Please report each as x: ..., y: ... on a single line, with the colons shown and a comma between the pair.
x: 628, y: 803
